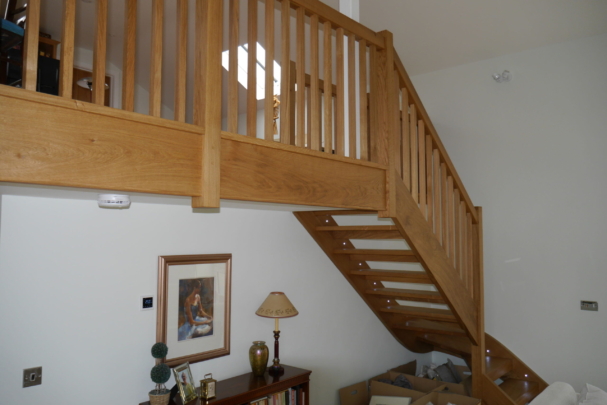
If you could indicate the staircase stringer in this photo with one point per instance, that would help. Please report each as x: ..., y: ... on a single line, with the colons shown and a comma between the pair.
x: 311, y: 221
x: 432, y: 256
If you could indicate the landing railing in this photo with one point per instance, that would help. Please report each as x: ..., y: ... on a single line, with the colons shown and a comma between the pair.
x: 342, y: 93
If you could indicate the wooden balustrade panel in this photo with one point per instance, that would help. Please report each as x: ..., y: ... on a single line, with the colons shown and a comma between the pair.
x: 462, y: 230
x: 397, y: 130
x: 66, y: 70
x: 300, y: 138
x: 429, y: 182
x: 414, y: 154
x: 457, y: 224
x: 315, y: 94
x: 351, y: 95
x: 444, y: 199
x: 328, y: 91
x: 285, y: 73
x: 30, y: 45
x: 364, y: 106
x: 450, y: 225
x: 465, y: 241
x: 156, y: 58
x: 252, y: 69
x: 234, y: 25
x: 421, y: 143
x: 405, y: 140
x: 437, y: 195
x: 181, y: 60
x: 470, y: 254
x: 99, y: 53
x: 128, y: 55
x: 340, y: 106
x: 269, y: 68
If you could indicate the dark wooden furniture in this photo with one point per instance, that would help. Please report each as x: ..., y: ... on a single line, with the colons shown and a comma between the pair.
x: 243, y: 389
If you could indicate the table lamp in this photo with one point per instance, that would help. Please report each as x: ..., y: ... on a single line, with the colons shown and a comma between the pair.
x: 276, y: 306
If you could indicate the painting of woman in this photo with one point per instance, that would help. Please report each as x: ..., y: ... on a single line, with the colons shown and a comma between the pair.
x: 196, y: 320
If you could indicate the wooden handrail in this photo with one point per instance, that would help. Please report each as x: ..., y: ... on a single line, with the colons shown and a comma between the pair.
x: 338, y: 20
x: 421, y: 112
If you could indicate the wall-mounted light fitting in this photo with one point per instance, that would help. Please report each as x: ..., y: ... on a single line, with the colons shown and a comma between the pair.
x: 504, y: 77
x: 113, y: 201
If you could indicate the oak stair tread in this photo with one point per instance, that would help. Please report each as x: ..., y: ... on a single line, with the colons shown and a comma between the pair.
x: 520, y: 391
x: 399, y: 276
x: 421, y: 312
x: 362, y: 231
x: 426, y: 326
x: 344, y: 212
x: 379, y: 255
x: 497, y: 367
x: 407, y: 294
x: 458, y: 345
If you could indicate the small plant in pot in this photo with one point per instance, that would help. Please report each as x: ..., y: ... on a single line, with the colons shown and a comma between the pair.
x: 160, y: 374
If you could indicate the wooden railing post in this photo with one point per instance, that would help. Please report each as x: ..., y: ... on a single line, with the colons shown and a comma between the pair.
x: 478, y: 351
x: 30, y: 41
x: 383, y: 97
x: 207, y: 107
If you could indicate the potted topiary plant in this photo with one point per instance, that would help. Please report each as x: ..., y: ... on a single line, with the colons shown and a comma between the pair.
x: 160, y: 374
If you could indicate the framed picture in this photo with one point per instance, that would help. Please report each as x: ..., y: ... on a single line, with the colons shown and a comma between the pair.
x: 386, y: 400
x: 185, y: 382
x: 194, y: 307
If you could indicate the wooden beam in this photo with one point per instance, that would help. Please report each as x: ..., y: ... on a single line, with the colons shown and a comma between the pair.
x: 432, y: 256
x: 256, y: 170
x: 118, y: 150
x: 209, y: 191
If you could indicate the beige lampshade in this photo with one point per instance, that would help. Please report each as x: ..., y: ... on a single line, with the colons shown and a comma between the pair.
x: 277, y: 305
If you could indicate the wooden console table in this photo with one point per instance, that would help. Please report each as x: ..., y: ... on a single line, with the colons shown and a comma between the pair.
x: 243, y: 389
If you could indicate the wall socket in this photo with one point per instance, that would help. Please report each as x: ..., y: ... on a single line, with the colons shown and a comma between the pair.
x: 32, y: 376
x: 589, y: 305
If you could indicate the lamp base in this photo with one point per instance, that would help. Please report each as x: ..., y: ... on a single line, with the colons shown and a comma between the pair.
x: 276, y: 370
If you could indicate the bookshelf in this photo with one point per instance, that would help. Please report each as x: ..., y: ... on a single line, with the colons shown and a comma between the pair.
x: 246, y: 388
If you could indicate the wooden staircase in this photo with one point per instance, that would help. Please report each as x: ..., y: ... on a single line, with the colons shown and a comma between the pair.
x: 414, y: 310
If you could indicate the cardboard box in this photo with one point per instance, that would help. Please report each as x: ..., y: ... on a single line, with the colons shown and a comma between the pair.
x: 358, y: 394
x: 450, y: 388
x: 442, y: 399
x: 420, y: 384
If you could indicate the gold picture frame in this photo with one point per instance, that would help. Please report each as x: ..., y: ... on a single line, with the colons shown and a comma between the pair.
x: 193, y: 317
x: 185, y: 382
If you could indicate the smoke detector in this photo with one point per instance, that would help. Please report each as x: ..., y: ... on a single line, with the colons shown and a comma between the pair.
x: 113, y: 201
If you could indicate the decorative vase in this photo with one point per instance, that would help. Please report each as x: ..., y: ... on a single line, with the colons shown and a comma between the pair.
x: 159, y: 397
x: 258, y: 356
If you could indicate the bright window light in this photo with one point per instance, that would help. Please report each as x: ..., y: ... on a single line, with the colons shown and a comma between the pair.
x: 243, y: 56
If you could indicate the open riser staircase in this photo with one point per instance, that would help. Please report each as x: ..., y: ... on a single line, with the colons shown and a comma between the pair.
x: 365, y: 143
x: 374, y: 256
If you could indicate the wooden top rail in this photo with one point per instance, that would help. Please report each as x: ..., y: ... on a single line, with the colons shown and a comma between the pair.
x: 338, y: 20
x: 422, y: 114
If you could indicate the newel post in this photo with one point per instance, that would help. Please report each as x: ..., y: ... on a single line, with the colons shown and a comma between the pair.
x: 383, y: 119
x: 207, y: 98
x: 478, y: 351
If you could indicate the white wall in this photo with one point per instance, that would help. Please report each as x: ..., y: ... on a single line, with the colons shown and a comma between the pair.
x: 71, y: 275
x: 532, y: 153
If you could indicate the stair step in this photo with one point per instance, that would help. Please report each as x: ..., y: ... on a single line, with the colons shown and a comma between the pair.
x: 425, y: 326
x: 344, y: 212
x: 362, y: 232
x: 421, y: 312
x: 379, y: 255
x: 520, y: 391
x: 397, y: 276
x: 497, y: 367
x: 411, y: 295
x: 458, y: 345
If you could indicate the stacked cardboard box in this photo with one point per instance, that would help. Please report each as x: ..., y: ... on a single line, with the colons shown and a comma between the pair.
x: 423, y: 390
